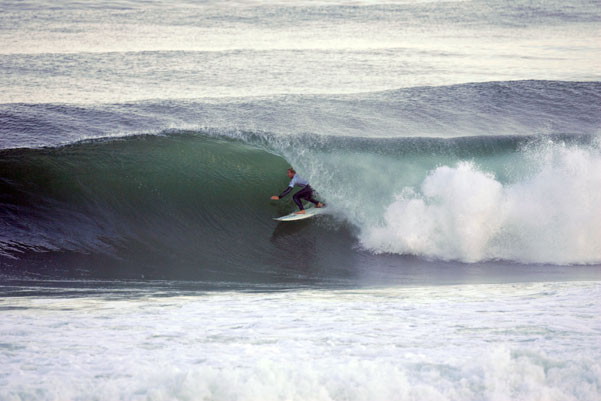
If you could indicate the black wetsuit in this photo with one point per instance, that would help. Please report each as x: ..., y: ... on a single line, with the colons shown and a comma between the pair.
x: 305, y: 193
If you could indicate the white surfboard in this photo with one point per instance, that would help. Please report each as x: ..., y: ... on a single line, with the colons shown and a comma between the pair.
x: 314, y: 211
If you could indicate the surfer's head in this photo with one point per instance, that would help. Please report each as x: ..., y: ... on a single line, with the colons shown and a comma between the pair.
x: 291, y: 172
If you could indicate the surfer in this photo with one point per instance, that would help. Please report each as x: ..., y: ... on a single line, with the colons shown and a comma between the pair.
x: 305, y: 193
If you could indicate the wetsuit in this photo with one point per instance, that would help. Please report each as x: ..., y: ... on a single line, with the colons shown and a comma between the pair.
x: 305, y: 193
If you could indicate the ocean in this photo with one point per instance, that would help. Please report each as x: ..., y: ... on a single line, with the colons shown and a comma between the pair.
x: 457, y: 145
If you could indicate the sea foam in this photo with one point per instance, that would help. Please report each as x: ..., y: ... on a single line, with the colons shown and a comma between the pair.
x: 549, y: 213
x: 498, y: 342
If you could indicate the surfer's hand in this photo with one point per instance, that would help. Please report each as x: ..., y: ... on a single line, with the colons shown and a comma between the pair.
x: 275, y: 197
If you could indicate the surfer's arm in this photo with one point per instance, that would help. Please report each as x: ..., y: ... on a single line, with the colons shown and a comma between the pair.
x: 286, y: 192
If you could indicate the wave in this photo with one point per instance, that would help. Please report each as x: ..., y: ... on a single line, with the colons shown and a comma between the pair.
x: 196, y: 204
x: 174, y: 189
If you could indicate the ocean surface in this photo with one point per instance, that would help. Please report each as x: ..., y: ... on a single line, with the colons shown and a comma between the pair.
x: 457, y: 145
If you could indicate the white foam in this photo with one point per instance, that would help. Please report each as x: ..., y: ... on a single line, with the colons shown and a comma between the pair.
x: 551, y: 214
x: 536, y: 341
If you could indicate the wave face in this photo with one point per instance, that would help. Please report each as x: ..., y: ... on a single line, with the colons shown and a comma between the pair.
x: 194, y: 203
x: 198, y: 203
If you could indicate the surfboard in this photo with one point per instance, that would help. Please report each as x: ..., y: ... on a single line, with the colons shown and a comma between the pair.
x: 314, y: 211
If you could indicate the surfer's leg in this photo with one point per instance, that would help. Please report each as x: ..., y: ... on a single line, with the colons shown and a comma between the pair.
x: 311, y: 199
x: 307, y: 194
x: 297, y: 199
